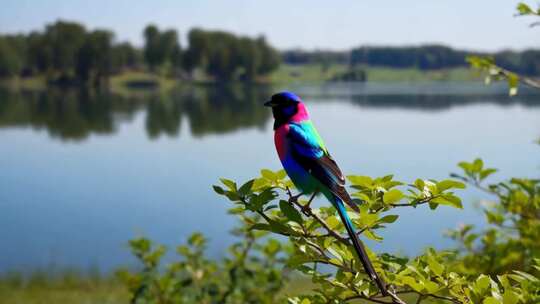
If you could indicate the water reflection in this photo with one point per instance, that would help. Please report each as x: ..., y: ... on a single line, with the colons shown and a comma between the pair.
x: 76, y: 114
x: 440, y: 102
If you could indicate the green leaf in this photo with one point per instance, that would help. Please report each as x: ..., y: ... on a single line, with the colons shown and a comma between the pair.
x: 477, y: 165
x: 419, y: 183
x: 448, y: 184
x: 371, y: 235
x: 524, y: 9
x: 229, y: 183
x: 491, y: 300
x: 197, y: 239
x: 290, y: 212
x: 335, y: 253
x: 510, y: 297
x: 281, y: 174
x: 449, y: 200
x: 218, y: 190
x: 408, y: 280
x: 364, y: 181
x: 435, y: 266
x: 261, y: 226
x: 527, y: 276
x: 333, y: 222
x: 236, y: 210
x: 487, y: 172
x: 246, y: 188
x: 431, y: 286
x: 260, y: 183
x: 272, y: 247
x: 268, y: 174
x: 389, y: 218
x: 481, y: 284
x: 392, y: 196
x: 467, y: 167
x: 305, y: 301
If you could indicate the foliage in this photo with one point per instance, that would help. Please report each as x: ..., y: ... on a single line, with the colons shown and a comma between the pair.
x: 492, y: 267
x: 52, y: 285
x: 511, y: 242
x: 67, y: 53
x: 505, y: 68
x: 10, y: 60
x: 426, y: 57
x: 322, y: 253
x: 161, y: 47
x: 225, y: 56
x: 251, y: 273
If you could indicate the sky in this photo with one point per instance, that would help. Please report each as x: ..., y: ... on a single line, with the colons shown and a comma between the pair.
x: 483, y: 25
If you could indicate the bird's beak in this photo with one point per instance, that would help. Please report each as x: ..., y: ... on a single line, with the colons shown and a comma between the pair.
x: 269, y: 103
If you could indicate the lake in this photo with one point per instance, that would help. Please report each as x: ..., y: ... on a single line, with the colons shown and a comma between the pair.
x: 82, y: 172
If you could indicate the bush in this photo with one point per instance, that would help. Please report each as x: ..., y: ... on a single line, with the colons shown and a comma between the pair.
x: 484, y: 271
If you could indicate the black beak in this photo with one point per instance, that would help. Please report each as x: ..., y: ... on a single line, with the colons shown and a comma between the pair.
x: 269, y: 104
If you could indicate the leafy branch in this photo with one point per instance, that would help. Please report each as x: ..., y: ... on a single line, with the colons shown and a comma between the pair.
x: 495, y: 72
x: 492, y: 267
x: 316, y: 234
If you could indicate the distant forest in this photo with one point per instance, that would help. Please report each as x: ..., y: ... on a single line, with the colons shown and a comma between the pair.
x: 427, y: 57
x: 67, y: 52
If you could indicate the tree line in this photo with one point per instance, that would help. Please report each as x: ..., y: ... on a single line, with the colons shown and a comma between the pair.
x: 427, y: 57
x: 68, y: 52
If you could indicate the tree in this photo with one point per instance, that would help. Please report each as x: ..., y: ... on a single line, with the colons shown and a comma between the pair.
x: 152, y: 54
x: 270, y: 58
x: 160, y: 48
x: 124, y: 55
x: 64, y: 39
x: 10, y: 60
x: 197, y: 53
x: 94, y: 57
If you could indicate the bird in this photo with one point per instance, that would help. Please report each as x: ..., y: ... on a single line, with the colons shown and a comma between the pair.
x: 311, y: 168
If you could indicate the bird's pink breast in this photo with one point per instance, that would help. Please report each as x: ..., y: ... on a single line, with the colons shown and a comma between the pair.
x: 280, y: 140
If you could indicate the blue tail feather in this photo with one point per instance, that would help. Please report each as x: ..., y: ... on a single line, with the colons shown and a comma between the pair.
x: 358, y: 246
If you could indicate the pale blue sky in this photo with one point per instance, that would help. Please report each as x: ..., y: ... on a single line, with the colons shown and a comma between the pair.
x: 336, y: 24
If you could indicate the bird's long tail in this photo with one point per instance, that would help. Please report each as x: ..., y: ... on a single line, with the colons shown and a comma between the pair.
x: 358, y: 246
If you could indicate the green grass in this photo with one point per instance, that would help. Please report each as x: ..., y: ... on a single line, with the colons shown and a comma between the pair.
x: 29, y: 83
x: 67, y: 287
x: 132, y: 80
x: 313, y: 73
x: 382, y: 74
x: 305, y: 73
x: 75, y: 288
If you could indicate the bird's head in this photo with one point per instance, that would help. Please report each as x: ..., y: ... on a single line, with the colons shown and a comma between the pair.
x: 287, y: 107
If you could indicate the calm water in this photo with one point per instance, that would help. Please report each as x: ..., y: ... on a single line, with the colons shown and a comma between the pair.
x: 83, y: 172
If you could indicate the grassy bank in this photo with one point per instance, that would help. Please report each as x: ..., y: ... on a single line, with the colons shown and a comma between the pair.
x: 75, y: 288
x: 131, y: 81
x: 67, y: 287
x: 319, y: 73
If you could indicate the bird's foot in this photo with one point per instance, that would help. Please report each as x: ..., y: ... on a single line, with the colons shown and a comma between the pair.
x: 294, y: 198
x: 306, y: 209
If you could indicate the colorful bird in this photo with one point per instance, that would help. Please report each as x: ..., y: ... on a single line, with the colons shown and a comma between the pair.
x: 311, y: 168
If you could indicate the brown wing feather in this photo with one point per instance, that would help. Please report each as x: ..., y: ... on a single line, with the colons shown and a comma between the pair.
x: 326, y: 170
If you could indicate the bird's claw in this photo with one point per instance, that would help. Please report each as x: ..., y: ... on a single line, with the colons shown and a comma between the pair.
x: 294, y: 198
x: 306, y: 209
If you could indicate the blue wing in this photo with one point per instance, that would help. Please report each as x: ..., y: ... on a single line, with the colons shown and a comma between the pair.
x: 309, y: 151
